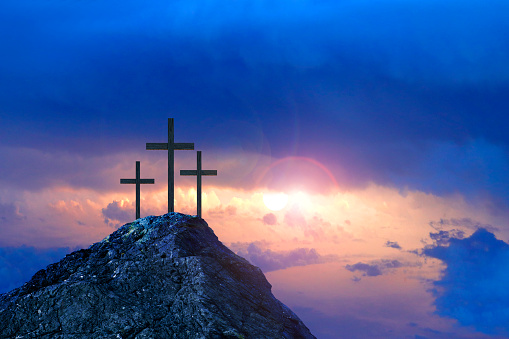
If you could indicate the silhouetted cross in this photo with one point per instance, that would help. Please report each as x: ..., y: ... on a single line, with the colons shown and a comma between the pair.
x: 171, y: 146
x: 198, y: 172
x: 137, y: 181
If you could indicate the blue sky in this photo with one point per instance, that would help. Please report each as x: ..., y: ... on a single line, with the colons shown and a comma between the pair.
x: 405, y: 96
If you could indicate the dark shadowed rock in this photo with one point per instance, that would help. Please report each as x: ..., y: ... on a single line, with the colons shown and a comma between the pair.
x: 157, y: 277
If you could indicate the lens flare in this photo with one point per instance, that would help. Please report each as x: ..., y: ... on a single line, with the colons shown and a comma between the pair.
x: 297, y: 173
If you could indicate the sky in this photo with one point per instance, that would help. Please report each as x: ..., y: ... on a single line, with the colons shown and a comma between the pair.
x: 361, y: 146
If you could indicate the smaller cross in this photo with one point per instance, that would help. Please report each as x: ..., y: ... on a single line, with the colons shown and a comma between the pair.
x: 198, y: 172
x: 137, y: 181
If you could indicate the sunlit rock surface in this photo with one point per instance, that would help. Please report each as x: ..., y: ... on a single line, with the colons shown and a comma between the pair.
x: 157, y: 277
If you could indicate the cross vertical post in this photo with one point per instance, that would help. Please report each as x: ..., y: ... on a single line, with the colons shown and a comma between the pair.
x: 198, y: 182
x: 138, y: 189
x: 170, y: 146
x: 198, y: 172
x: 171, y: 162
x: 137, y: 181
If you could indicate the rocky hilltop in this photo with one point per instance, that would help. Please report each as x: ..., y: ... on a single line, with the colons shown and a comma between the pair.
x: 157, y: 277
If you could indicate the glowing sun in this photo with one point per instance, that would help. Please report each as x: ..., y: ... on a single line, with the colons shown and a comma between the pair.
x: 275, y: 201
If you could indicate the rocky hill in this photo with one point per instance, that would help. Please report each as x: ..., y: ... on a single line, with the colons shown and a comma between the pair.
x: 157, y: 277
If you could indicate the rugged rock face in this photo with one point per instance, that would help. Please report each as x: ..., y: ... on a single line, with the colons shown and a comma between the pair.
x: 157, y: 277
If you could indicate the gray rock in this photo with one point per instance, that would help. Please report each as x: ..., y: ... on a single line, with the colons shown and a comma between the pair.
x: 157, y: 277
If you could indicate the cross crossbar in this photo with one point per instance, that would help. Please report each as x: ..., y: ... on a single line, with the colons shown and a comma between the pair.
x: 155, y: 146
x: 195, y: 172
x: 133, y: 181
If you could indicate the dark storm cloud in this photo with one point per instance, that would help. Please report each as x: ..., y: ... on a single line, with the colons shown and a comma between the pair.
x: 115, y: 212
x: 18, y: 264
x: 369, y: 270
x: 9, y: 213
x: 465, y: 223
x: 475, y: 167
x: 374, y: 269
x: 473, y: 288
x: 455, y: 228
x: 29, y: 168
x: 393, y: 244
x: 270, y: 219
x: 268, y: 260
x: 442, y: 237
x: 34, y: 169
x: 402, y: 92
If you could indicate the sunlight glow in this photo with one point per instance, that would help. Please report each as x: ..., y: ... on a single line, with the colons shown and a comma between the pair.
x: 275, y: 201
x: 301, y: 200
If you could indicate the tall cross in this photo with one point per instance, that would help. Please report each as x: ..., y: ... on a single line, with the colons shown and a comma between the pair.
x: 137, y: 181
x: 171, y: 146
x: 198, y: 172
